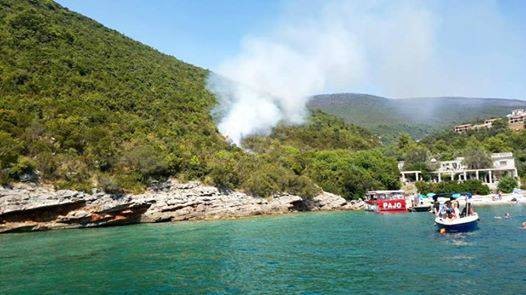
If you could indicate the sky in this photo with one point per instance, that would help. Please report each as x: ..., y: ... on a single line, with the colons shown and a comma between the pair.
x: 201, y: 32
x: 388, y: 48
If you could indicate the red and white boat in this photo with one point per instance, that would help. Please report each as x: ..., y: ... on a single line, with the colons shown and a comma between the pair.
x: 387, y: 201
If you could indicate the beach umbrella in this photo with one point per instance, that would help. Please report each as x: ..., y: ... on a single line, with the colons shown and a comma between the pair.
x: 430, y: 195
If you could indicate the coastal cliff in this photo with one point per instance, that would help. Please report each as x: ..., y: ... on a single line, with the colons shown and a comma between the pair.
x: 25, y: 207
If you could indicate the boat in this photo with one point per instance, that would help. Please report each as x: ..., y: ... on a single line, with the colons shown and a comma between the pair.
x: 422, y: 203
x: 468, y: 219
x: 386, y: 201
x: 420, y: 208
x: 462, y: 224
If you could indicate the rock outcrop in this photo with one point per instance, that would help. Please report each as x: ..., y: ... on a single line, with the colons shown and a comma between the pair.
x: 30, y: 208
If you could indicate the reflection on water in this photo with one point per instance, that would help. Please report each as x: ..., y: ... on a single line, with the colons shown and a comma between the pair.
x: 337, y: 252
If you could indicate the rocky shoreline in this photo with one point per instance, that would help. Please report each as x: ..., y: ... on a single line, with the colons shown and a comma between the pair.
x: 29, y: 207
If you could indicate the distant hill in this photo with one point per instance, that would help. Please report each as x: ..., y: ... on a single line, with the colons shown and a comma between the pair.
x: 417, y: 116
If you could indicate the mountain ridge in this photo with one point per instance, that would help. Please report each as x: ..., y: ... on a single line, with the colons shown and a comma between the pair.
x: 418, y: 116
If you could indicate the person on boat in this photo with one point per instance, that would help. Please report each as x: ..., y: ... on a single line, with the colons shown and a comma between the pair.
x: 437, y: 207
x: 455, y: 210
x: 471, y: 211
x: 464, y: 212
x: 444, y: 210
x: 452, y: 211
x: 449, y: 212
x: 449, y: 207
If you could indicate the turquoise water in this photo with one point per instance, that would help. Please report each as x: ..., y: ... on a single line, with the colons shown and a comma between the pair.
x: 310, y: 253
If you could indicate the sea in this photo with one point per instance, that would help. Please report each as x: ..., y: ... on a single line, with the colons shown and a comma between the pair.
x: 301, y: 253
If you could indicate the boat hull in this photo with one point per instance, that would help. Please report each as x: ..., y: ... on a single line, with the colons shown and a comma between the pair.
x: 463, y: 224
x: 391, y: 206
x: 420, y: 209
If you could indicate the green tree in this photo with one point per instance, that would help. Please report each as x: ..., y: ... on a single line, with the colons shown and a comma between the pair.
x: 477, y: 158
x: 499, y: 126
x: 403, y: 143
x: 497, y: 144
x: 418, y: 158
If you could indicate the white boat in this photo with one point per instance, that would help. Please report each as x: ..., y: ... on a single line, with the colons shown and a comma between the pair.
x: 461, y: 224
x: 421, y: 203
x: 468, y: 219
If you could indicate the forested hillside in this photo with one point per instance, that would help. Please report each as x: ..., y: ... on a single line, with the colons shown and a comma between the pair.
x: 77, y: 98
x: 339, y: 157
x: 419, y: 117
x: 83, y: 106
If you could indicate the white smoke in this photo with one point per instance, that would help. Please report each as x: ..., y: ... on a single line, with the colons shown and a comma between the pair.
x: 384, y: 47
x: 276, y: 77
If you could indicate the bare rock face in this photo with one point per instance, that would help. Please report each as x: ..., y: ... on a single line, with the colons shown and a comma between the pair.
x: 331, y: 202
x: 355, y: 205
x: 327, y: 201
x: 30, y: 208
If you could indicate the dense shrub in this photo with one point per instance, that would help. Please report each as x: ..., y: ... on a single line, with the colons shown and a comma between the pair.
x: 109, y: 185
x: 471, y: 186
x: 475, y: 187
x: 507, y: 184
x: 266, y: 181
x: 270, y: 179
x: 224, y: 170
x: 325, y: 131
x: 23, y: 170
x: 10, y: 148
x: 352, y: 174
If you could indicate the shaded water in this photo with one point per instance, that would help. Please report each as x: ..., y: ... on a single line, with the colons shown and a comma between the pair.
x: 340, y: 252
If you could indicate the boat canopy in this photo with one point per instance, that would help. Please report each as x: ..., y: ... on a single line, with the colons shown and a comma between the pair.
x: 452, y: 196
x: 455, y: 196
x: 385, y: 194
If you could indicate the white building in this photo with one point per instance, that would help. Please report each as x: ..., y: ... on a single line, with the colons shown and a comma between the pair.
x: 517, y: 119
x: 455, y: 170
x: 467, y: 127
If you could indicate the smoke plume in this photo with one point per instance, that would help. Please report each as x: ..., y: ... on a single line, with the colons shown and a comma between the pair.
x: 380, y: 47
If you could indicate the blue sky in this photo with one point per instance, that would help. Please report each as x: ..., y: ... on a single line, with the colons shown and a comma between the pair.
x: 201, y: 32
x: 463, y: 48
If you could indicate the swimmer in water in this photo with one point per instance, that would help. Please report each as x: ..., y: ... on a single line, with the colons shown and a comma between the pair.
x: 524, y: 225
x: 507, y: 215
